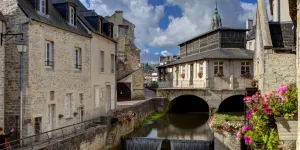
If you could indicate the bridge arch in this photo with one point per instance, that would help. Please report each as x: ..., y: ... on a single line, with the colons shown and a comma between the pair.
x: 188, y: 103
x: 233, y: 103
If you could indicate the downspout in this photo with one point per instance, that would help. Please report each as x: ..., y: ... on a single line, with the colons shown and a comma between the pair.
x: 116, y: 72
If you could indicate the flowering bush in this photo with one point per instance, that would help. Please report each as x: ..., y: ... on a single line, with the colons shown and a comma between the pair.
x: 122, y: 117
x: 182, y: 75
x: 253, y: 83
x: 219, y: 74
x: 262, y: 108
x: 200, y: 74
x: 224, y: 122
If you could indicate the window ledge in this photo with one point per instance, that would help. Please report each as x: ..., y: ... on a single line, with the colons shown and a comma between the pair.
x: 78, y: 70
x: 101, y: 72
x: 48, y: 67
x: 68, y: 117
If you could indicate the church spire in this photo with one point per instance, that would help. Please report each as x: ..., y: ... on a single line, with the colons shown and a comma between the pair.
x: 216, y: 20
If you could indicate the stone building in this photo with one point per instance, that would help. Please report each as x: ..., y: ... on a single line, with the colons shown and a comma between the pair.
x: 274, y: 54
x: 2, y: 64
x: 68, y: 70
x: 167, y: 59
x: 217, y: 59
x: 130, y: 74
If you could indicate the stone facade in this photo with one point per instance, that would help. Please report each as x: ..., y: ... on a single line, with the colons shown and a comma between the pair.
x: 274, y: 45
x: 62, y: 93
x: 2, y: 69
x: 128, y: 57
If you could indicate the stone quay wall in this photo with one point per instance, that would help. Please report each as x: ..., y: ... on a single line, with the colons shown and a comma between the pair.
x: 107, y: 136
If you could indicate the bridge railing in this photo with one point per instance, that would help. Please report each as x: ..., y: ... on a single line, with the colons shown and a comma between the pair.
x: 212, y: 83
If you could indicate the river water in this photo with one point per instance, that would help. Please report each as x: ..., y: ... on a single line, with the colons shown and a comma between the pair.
x: 189, y: 131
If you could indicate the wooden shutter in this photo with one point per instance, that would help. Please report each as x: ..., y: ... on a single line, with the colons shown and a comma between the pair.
x: 37, y: 5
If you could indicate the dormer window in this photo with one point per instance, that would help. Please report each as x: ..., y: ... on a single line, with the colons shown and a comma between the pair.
x: 72, y: 15
x: 41, y: 6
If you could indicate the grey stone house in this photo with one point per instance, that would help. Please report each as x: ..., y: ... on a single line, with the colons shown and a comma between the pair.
x: 63, y: 81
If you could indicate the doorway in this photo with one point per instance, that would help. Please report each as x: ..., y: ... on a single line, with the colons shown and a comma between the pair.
x: 51, y: 118
x: 80, y: 117
x: 108, y: 97
x: 37, y: 127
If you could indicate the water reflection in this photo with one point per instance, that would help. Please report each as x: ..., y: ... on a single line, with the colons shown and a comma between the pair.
x: 190, y: 126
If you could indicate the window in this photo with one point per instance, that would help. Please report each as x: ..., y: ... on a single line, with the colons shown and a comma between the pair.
x: 72, y: 15
x: 52, y: 96
x: 183, y: 69
x: 112, y: 60
x: 41, y: 6
x: 101, y: 61
x: 97, y: 96
x: 81, y: 98
x: 68, y: 104
x: 245, y: 67
x: 218, y: 68
x: 250, y: 45
x: 201, y: 67
x: 49, y: 53
x: 77, y: 58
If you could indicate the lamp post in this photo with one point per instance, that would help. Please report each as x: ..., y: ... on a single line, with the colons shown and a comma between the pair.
x: 22, y: 48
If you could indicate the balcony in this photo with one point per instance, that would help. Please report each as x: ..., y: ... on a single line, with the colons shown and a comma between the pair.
x: 217, y: 83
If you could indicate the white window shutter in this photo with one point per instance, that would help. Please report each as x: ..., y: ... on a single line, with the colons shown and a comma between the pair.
x: 66, y: 105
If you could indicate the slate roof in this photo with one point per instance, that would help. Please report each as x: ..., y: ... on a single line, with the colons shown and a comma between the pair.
x: 282, y: 34
x: 223, y: 53
x: 54, y: 18
x: 211, y: 31
x: 252, y: 34
x: 2, y: 18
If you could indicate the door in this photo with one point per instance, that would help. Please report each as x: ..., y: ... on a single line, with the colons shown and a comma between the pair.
x: 191, y: 74
x: 80, y: 117
x: 108, y: 97
x: 112, y: 104
x: 51, y: 119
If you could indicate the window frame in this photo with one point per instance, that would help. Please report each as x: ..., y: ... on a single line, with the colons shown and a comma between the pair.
x: 68, y: 105
x: 183, y: 69
x: 246, y: 65
x: 78, y: 58
x: 102, y: 61
x: 72, y: 15
x: 49, y: 54
x: 41, y: 8
x: 112, y: 63
x: 218, y: 67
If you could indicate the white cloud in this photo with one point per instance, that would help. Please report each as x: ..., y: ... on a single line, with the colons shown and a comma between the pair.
x: 165, y: 53
x: 156, y: 53
x: 145, y: 51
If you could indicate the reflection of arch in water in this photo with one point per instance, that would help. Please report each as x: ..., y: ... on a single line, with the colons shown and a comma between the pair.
x: 190, y: 121
x: 188, y: 103
x: 232, y: 104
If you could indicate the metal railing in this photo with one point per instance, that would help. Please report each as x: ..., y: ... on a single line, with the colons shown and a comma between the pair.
x: 212, y: 83
x: 45, y: 138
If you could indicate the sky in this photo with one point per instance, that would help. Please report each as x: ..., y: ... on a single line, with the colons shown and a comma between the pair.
x: 163, y: 24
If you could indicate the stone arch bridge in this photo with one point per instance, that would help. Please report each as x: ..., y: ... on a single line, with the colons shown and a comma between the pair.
x: 213, y: 98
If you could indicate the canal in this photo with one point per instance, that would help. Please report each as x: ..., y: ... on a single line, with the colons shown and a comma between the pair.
x: 173, y: 131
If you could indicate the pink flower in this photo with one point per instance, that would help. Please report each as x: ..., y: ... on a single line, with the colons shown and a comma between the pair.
x: 282, y: 89
x: 265, y: 106
x: 239, y: 135
x: 249, y: 114
x: 248, y: 140
x: 268, y: 111
x: 254, y: 110
x: 247, y: 99
x: 246, y: 128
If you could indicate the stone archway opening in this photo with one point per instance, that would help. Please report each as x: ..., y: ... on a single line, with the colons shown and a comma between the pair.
x: 187, y: 104
x: 232, y: 104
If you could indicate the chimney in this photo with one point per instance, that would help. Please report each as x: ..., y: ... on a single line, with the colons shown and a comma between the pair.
x: 119, y: 13
x: 249, y: 25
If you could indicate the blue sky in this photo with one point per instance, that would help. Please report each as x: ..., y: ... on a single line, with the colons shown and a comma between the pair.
x: 163, y: 24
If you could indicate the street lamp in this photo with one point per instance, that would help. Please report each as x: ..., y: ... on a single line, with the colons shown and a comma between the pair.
x: 22, y: 48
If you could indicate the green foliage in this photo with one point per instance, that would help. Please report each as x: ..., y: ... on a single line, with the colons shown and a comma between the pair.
x: 224, y: 122
x: 152, y: 117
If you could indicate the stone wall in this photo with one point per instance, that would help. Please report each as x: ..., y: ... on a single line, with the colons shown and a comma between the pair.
x: 2, y: 80
x: 15, y: 18
x: 226, y: 141
x: 108, y: 136
x: 137, y: 91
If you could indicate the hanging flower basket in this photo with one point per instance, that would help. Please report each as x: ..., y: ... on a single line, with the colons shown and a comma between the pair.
x: 182, y: 76
x: 200, y: 75
x: 219, y: 74
x: 246, y: 75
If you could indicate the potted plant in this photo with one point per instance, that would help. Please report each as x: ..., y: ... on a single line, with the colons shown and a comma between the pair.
x: 182, y: 75
x: 219, y: 74
x: 284, y: 104
x: 200, y: 75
